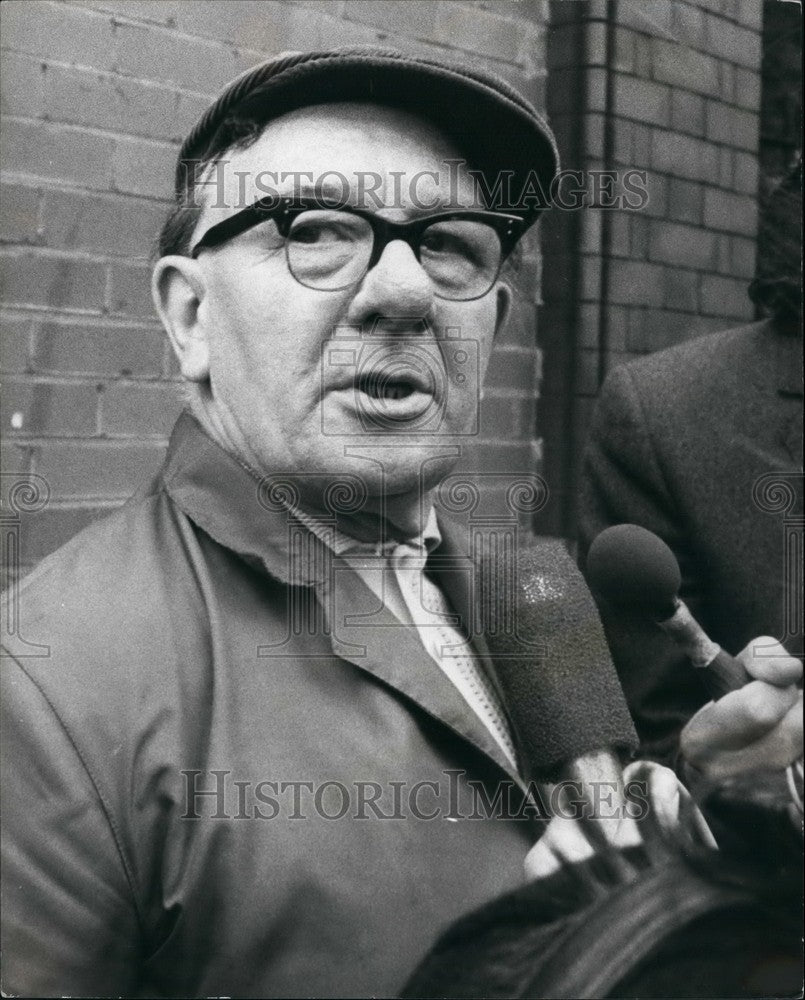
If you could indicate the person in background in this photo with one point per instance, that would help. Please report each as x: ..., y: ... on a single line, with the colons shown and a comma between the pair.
x: 689, y: 443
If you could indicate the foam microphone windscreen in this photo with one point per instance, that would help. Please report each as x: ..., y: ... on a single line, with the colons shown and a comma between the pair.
x: 552, y: 659
x: 631, y: 568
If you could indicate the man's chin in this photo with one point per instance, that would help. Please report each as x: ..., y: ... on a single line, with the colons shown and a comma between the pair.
x: 377, y: 467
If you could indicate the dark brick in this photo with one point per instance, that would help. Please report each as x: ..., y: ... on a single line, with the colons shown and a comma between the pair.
x: 15, y: 343
x: 657, y: 204
x: 270, y: 28
x: 99, y: 350
x: 683, y: 156
x: 742, y: 257
x: 747, y: 88
x: 685, y: 201
x: 637, y: 331
x: 687, y: 246
x: 588, y: 325
x: 205, y: 67
x: 589, y: 279
x: 495, y: 465
x: 85, y: 97
x: 750, y: 15
x: 15, y: 458
x: 726, y: 82
x: 725, y: 162
x: 57, y: 152
x: 623, y: 60
x: 143, y: 167
x: 153, y: 11
x: 641, y: 230
x: 43, y: 408
x: 130, y: 291
x: 617, y: 325
x: 21, y: 85
x: 124, y: 226
x: 596, y: 90
x: 477, y: 31
x: 95, y: 470
x: 139, y: 410
x: 746, y: 173
x: 684, y: 67
x: 681, y: 289
x: 688, y: 24
x: 497, y: 417
x: 669, y: 328
x: 520, y: 327
x: 514, y: 370
x: 64, y: 32
x: 635, y: 283
x: 19, y: 214
x: 415, y: 19
x: 642, y: 146
x: 643, y: 56
x: 642, y: 100
x: 687, y: 112
x: 724, y: 297
x: 620, y: 233
x: 33, y: 279
x: 732, y: 42
x: 732, y: 126
x: 587, y: 373
x: 730, y: 212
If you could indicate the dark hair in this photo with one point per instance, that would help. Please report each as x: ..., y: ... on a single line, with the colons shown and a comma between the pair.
x: 239, y: 130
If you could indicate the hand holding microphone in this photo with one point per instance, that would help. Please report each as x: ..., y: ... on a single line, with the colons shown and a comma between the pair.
x: 755, y: 721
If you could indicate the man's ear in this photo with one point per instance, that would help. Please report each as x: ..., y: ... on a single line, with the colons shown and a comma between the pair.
x: 504, y: 302
x: 178, y: 288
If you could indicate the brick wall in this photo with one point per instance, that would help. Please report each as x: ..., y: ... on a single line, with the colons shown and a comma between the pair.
x: 96, y: 95
x: 672, y: 88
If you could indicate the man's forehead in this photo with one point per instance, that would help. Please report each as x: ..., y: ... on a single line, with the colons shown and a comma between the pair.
x: 327, y: 146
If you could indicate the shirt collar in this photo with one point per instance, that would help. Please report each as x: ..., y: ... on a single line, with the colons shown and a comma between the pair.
x: 342, y: 544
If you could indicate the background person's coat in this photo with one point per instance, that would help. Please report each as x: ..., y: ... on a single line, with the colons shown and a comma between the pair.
x: 680, y: 444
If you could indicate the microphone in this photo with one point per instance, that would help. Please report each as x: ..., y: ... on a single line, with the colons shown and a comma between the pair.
x: 553, y: 663
x: 635, y: 571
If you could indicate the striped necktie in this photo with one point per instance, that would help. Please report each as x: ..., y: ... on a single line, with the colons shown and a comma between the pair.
x: 431, y: 615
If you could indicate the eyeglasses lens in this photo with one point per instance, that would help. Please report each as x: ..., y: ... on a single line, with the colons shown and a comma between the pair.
x: 329, y: 250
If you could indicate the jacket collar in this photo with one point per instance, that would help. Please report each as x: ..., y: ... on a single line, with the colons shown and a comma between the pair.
x: 241, y: 512
x: 233, y: 505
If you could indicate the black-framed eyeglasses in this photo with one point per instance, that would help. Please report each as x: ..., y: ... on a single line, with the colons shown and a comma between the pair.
x: 332, y: 248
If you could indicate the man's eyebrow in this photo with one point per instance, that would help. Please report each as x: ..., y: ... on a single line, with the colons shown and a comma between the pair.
x: 328, y: 192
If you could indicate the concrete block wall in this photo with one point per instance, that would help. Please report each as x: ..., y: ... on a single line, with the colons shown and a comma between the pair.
x: 96, y: 96
x: 672, y: 88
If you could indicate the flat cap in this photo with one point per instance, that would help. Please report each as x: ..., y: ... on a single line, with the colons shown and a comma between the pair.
x: 495, y: 128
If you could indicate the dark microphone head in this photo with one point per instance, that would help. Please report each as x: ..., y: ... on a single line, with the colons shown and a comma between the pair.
x: 552, y: 659
x: 632, y: 569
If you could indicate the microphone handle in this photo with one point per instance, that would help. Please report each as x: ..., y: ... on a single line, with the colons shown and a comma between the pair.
x: 724, y: 674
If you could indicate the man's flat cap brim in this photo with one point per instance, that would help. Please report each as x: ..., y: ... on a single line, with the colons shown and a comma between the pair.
x: 493, y: 126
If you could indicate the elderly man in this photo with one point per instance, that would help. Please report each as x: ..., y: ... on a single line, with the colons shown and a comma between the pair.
x: 250, y: 764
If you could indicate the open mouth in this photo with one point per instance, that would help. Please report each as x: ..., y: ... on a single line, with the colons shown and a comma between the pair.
x: 378, y: 385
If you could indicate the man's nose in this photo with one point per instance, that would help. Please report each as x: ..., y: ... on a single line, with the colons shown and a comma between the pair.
x: 397, y: 286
